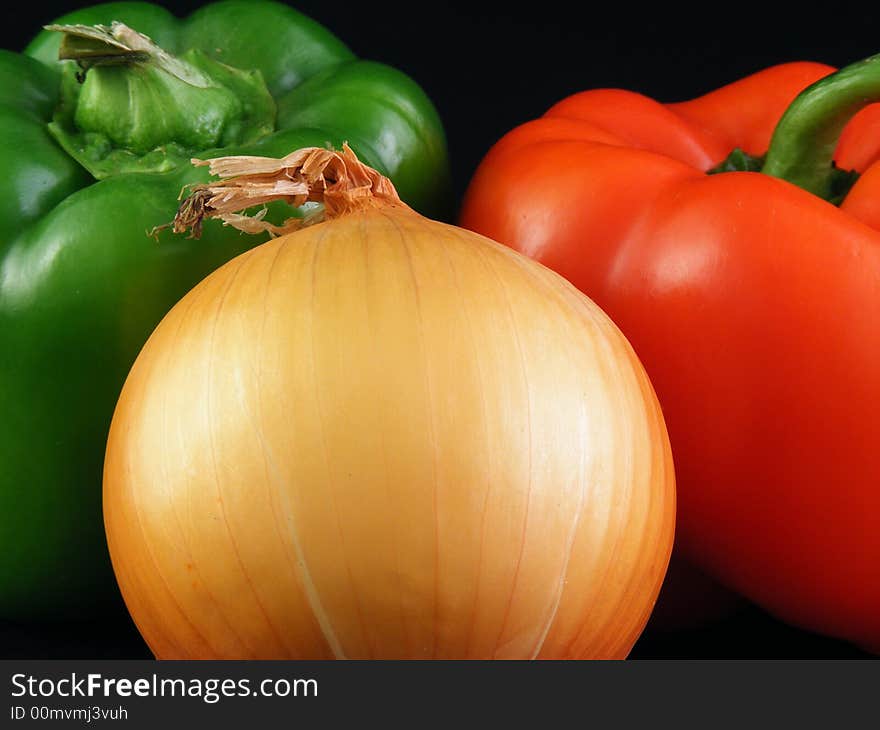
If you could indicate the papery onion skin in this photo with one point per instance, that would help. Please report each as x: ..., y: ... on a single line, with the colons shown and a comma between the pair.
x: 385, y: 437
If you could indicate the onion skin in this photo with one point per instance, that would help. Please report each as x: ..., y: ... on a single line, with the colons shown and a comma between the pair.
x: 386, y: 437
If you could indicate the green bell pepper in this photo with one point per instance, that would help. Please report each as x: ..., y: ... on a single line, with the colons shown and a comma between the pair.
x: 94, y: 151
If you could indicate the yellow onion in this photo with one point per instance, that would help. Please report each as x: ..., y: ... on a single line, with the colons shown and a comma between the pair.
x: 381, y: 436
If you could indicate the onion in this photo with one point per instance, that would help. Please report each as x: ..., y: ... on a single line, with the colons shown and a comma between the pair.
x: 383, y: 437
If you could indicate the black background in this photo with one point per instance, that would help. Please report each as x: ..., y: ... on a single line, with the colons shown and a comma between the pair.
x: 489, y: 66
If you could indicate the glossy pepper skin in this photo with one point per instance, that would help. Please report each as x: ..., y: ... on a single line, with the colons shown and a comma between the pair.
x: 752, y: 304
x: 82, y: 285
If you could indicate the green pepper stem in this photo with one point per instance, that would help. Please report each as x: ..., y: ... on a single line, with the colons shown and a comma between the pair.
x: 803, y: 144
x: 119, y: 45
x: 128, y: 105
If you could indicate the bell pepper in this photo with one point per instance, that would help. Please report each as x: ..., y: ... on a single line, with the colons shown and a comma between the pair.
x: 95, y: 149
x: 735, y: 239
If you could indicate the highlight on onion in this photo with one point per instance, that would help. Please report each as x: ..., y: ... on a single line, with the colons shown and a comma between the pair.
x: 380, y: 436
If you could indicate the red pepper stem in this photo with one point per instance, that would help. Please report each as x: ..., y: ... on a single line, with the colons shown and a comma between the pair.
x: 806, y: 137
